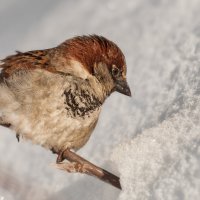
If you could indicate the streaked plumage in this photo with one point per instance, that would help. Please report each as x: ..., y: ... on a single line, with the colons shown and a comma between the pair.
x: 53, y: 97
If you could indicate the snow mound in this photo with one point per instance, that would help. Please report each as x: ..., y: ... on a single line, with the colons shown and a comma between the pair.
x: 155, y: 134
x: 162, y: 160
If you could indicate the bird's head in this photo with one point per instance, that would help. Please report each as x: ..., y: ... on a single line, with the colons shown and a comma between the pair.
x: 97, y: 57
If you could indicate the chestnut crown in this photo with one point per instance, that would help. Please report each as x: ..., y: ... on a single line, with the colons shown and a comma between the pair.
x: 95, y: 50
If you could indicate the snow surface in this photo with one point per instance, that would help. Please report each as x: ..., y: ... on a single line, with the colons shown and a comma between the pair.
x: 151, y: 140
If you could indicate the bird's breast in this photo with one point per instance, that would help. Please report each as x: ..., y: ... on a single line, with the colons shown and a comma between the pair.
x: 55, y: 113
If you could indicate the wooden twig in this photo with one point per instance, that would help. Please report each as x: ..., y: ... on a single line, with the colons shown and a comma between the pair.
x: 78, y: 164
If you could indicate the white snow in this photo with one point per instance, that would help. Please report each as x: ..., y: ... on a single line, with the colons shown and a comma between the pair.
x: 153, y: 138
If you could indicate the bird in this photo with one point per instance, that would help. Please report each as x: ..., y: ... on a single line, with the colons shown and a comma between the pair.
x: 53, y: 97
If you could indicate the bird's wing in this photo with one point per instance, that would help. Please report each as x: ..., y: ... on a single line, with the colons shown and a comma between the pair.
x: 25, y: 61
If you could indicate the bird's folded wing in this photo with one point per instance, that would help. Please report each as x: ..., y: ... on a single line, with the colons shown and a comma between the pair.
x: 25, y: 61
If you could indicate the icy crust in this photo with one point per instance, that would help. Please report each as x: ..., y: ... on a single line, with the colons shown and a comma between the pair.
x: 163, y: 162
x: 162, y: 158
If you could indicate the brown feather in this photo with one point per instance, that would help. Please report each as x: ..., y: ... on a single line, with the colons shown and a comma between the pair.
x: 93, y: 49
x: 88, y: 50
x: 26, y: 61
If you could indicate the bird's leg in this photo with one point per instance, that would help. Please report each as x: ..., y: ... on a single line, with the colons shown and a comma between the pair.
x: 18, y: 137
x: 60, y: 157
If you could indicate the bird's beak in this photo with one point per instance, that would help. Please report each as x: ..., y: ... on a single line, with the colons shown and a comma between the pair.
x: 122, y: 87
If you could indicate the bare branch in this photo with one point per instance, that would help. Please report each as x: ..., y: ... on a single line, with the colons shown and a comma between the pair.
x: 78, y: 164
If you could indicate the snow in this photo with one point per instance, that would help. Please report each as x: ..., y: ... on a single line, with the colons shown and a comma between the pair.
x: 151, y: 140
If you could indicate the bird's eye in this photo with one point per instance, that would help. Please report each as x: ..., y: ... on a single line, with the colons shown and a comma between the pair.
x: 115, y: 71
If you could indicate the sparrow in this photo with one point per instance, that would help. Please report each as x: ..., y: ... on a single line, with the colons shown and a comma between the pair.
x: 53, y: 97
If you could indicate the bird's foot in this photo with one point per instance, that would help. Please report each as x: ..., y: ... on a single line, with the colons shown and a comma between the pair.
x: 72, y: 167
x: 60, y: 157
x: 18, y: 137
